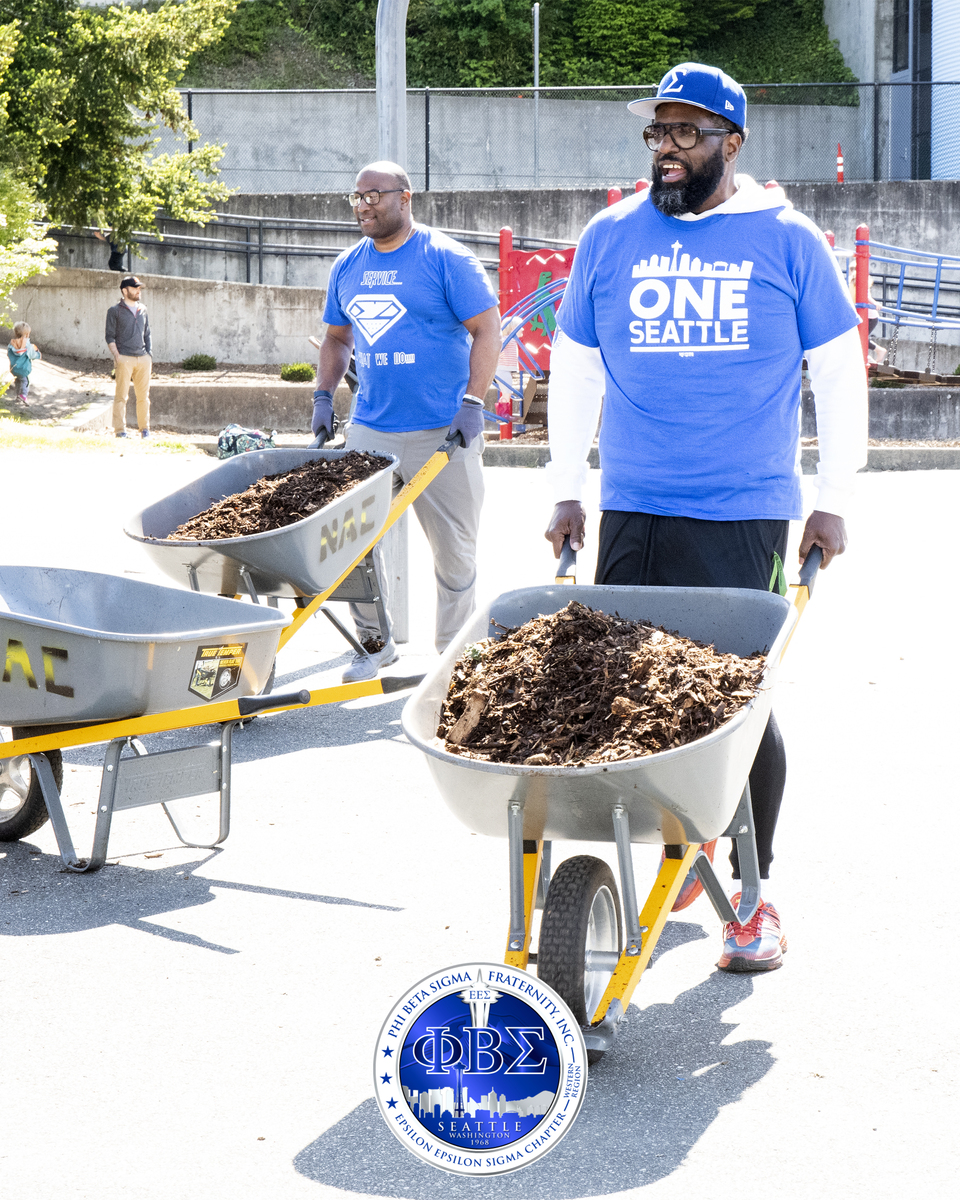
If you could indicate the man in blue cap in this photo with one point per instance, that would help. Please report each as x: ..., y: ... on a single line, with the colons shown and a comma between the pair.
x: 689, y: 314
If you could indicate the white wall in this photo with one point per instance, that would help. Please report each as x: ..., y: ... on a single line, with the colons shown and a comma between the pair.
x: 863, y: 29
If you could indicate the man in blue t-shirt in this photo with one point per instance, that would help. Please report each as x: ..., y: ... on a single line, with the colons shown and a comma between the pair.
x: 689, y: 314
x: 420, y: 315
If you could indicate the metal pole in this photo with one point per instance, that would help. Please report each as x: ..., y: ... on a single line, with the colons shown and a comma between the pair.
x: 426, y: 139
x: 392, y: 80
x: 863, y: 287
x: 190, y: 117
x: 536, y: 95
x: 876, y: 131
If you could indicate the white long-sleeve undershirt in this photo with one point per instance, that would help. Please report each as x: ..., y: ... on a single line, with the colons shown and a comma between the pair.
x: 577, y: 384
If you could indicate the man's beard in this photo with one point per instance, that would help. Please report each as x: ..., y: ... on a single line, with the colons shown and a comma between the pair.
x: 675, y: 199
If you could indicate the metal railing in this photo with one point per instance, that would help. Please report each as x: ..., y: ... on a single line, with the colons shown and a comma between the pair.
x: 254, y: 241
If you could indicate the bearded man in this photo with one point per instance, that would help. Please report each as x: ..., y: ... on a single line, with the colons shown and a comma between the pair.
x: 689, y: 315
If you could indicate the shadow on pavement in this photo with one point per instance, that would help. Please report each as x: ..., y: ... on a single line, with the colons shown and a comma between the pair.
x: 43, y: 899
x: 647, y: 1103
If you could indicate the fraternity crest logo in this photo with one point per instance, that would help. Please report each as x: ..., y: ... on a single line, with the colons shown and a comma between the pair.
x: 374, y: 315
x: 480, y: 1069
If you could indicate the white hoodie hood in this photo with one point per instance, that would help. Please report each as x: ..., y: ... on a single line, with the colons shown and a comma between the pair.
x: 748, y: 198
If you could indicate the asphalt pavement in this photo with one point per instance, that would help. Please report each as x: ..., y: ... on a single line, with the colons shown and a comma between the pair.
x: 202, y: 1022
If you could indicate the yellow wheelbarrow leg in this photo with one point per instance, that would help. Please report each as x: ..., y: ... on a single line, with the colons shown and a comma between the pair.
x: 653, y: 916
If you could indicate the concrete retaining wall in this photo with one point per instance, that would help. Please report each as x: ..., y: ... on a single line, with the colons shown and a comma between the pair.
x: 235, y: 322
x: 190, y: 408
x: 905, y: 414
x: 302, y: 141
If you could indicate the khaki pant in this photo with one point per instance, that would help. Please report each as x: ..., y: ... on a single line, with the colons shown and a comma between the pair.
x: 448, y: 512
x: 135, y: 368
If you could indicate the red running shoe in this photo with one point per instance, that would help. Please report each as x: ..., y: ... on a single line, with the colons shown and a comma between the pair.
x: 692, y: 887
x: 757, y: 946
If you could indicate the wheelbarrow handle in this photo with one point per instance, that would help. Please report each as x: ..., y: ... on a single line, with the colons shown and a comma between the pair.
x: 568, y: 560
x: 452, y: 443
x: 320, y: 440
x: 811, y: 565
x: 248, y: 705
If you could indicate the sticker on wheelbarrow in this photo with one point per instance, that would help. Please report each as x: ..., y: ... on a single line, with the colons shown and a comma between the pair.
x: 480, y: 1069
x: 216, y: 669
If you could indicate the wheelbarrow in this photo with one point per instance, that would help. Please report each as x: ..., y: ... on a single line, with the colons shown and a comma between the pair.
x: 119, y: 658
x: 304, y: 560
x: 589, y: 951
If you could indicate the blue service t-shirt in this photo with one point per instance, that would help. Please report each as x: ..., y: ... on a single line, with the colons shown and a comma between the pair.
x: 407, y: 309
x: 702, y: 326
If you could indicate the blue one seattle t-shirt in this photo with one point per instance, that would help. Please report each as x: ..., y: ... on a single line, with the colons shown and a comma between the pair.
x: 702, y: 326
x: 407, y: 309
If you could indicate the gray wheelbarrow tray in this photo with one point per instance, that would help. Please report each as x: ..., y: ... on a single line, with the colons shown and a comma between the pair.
x: 302, y: 559
x: 84, y: 647
x: 685, y: 795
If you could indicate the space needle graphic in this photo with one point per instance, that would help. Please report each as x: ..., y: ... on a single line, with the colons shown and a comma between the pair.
x: 478, y: 999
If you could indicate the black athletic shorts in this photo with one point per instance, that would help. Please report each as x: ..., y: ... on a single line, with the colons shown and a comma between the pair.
x: 643, y: 550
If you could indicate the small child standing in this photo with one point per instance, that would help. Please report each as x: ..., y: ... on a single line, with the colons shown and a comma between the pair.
x: 22, y: 353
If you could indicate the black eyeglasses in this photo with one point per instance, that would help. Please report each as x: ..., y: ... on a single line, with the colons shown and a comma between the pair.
x: 372, y: 197
x: 683, y: 135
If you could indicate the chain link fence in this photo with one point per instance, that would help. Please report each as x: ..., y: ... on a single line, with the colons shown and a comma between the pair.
x: 480, y: 139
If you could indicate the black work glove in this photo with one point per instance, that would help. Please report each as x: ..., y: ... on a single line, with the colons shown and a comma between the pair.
x: 468, y: 421
x: 322, y: 412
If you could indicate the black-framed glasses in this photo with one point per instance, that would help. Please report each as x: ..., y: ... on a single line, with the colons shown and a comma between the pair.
x: 371, y: 197
x: 683, y: 135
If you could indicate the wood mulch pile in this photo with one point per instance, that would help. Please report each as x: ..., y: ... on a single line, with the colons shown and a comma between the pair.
x: 276, y: 501
x: 583, y: 686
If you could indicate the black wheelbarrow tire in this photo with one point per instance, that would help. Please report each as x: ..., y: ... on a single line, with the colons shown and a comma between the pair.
x: 581, y: 913
x: 22, y: 810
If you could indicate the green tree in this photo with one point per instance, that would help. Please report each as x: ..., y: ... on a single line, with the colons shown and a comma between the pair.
x: 87, y: 90
x: 25, y: 250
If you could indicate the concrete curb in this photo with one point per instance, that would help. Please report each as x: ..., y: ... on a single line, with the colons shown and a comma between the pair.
x: 208, y: 408
x: 880, y: 458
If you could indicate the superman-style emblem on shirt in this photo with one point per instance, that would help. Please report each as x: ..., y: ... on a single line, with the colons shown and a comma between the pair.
x: 374, y: 315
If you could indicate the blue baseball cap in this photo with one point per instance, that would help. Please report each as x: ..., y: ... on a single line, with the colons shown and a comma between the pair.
x: 695, y: 83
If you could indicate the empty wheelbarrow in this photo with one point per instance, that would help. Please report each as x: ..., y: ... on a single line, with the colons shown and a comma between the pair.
x: 82, y: 648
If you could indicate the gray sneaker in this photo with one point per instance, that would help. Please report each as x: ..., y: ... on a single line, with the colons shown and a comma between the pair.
x: 367, y: 666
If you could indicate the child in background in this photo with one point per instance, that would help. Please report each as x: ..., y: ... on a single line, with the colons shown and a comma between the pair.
x: 21, y: 353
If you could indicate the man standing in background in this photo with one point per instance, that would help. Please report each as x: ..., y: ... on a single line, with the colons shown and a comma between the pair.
x: 128, y: 340
x: 419, y: 311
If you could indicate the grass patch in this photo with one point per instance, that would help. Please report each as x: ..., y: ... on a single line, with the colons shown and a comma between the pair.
x: 300, y: 372
x: 24, y: 435
x: 199, y: 362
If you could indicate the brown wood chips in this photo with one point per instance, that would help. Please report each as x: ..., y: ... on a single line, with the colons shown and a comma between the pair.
x: 583, y: 686
x: 279, y: 500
